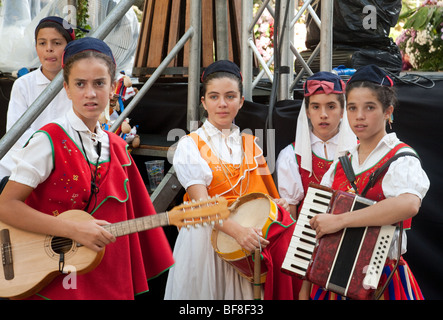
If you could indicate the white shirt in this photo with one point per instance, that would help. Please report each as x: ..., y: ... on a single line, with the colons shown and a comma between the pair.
x: 404, y: 175
x: 191, y: 168
x: 290, y: 185
x: 24, y: 92
x: 32, y: 170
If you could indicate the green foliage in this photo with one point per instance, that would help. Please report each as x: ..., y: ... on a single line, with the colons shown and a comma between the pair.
x: 82, y: 18
x: 421, y: 41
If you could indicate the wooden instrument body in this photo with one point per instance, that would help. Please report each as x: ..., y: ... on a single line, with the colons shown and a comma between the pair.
x: 30, y: 261
x: 252, y: 210
x: 36, y: 263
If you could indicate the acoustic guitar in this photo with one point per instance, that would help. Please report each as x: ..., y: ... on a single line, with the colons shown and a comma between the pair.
x: 30, y: 261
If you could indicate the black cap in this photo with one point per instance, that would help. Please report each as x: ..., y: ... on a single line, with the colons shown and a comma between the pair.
x: 372, y: 73
x: 85, y: 44
x: 65, y: 24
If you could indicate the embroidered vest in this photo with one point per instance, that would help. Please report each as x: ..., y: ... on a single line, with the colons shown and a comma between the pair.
x: 70, y: 180
x: 232, y: 181
x: 132, y: 259
x: 319, y: 168
x: 376, y: 192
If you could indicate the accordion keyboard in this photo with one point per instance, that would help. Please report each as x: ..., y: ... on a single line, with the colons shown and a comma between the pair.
x: 303, y: 242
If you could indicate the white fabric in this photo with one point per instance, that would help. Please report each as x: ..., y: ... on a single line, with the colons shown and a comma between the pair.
x: 24, y: 92
x: 191, y: 168
x: 404, y: 175
x: 346, y: 138
x: 32, y: 170
x: 290, y: 185
x: 198, y: 273
x: 289, y: 180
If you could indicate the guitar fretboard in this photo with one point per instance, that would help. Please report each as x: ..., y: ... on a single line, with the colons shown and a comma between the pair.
x: 136, y: 225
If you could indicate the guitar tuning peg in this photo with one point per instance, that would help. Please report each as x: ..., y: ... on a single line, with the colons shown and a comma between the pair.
x: 220, y: 222
x: 185, y: 202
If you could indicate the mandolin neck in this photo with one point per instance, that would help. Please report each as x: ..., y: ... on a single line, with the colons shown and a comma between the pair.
x: 137, y: 225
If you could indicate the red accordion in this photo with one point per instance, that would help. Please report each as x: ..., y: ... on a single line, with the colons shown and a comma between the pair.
x: 349, y: 262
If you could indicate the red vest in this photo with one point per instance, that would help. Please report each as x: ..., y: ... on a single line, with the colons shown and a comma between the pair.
x: 130, y: 261
x: 376, y: 192
x: 319, y: 168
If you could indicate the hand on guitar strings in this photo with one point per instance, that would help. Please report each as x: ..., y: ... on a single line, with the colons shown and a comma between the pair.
x: 91, y: 234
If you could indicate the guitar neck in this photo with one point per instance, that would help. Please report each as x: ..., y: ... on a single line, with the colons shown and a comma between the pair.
x: 137, y: 225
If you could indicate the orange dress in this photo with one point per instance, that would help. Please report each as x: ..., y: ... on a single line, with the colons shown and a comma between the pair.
x: 253, y: 175
x: 232, y: 181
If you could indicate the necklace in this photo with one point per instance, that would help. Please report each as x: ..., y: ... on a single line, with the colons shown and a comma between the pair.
x: 94, y: 186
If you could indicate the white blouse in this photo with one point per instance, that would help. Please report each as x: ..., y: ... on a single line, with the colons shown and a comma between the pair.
x: 191, y: 168
x: 405, y: 175
x: 33, y: 164
x: 289, y: 180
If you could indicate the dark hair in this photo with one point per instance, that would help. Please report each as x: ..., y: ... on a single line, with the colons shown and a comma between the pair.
x: 219, y: 75
x: 386, y: 95
x: 340, y: 98
x: 56, y: 26
x: 88, y: 54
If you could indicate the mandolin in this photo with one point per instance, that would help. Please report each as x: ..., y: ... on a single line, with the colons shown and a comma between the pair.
x: 30, y: 261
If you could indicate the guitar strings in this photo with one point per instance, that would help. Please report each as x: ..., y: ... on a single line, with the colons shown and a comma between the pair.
x: 57, y: 243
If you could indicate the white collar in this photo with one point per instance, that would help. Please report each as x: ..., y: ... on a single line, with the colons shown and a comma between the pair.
x: 390, y: 140
x: 78, y: 125
x: 41, y: 78
x: 212, y: 131
x: 315, y: 139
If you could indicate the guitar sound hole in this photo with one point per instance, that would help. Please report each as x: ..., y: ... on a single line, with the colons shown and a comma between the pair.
x: 61, y: 245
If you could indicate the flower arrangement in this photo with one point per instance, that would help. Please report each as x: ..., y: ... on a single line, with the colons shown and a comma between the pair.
x: 264, y: 34
x: 421, y: 41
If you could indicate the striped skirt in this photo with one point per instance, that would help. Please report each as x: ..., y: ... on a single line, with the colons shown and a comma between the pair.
x: 402, y: 286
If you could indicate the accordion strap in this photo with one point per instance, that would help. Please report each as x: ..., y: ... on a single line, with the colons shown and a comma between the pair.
x: 349, y: 172
x: 376, y: 174
x: 347, y: 167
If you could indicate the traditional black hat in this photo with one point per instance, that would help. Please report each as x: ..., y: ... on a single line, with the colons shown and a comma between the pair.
x: 323, y: 82
x: 65, y: 24
x: 222, y: 66
x: 85, y: 44
x: 372, y: 73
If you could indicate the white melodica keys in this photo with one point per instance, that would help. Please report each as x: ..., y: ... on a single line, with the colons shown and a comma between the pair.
x: 303, y: 242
